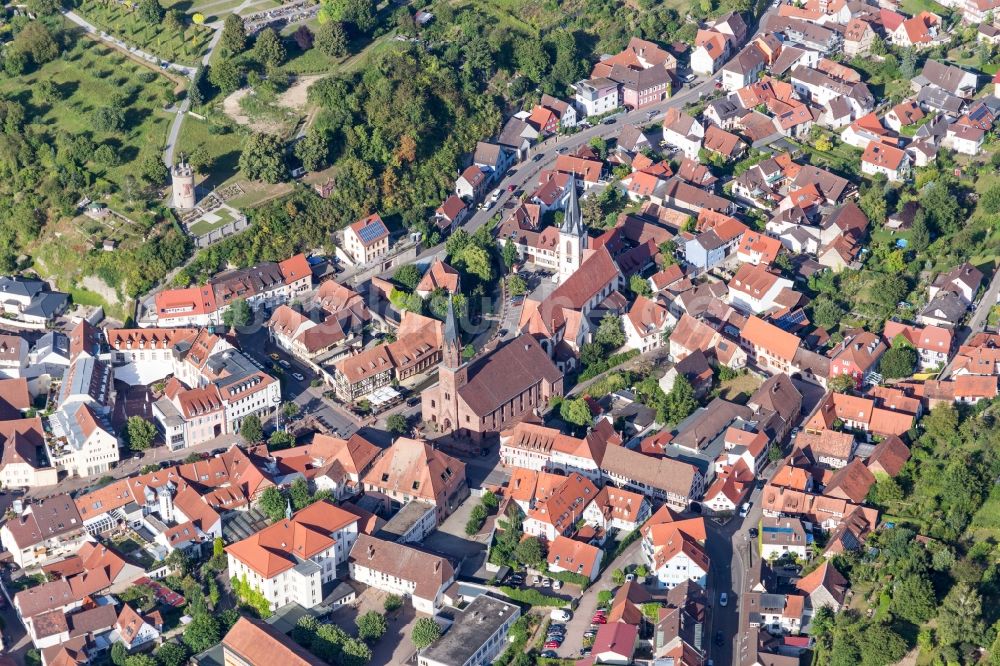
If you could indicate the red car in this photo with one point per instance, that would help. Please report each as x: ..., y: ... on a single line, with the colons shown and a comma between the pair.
x: 599, y: 619
x: 511, y: 188
x: 551, y: 644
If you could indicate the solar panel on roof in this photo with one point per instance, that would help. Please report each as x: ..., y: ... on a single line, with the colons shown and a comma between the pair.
x: 371, y: 231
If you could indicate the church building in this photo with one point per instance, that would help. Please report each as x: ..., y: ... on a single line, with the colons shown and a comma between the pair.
x: 477, y: 398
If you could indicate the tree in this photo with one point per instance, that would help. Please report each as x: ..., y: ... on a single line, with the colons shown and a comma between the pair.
x: 150, y: 11
x: 238, y: 314
x: 118, y: 654
x: 360, y: 13
x: 234, y: 35
x: 478, y: 262
x: 823, y: 143
x: 179, y: 562
x: 173, y: 21
x: 263, y: 158
x: 826, y: 312
x: 960, y: 617
x: 407, y: 276
x: 299, y: 494
x: 36, y: 41
x: 920, y: 235
x: 226, y: 76
x: 371, y: 626
x: 639, y: 285
x: 152, y: 169
x: 141, y: 433
x: 425, y: 632
x: 396, y: 424
x: 303, y: 38
x: 913, y: 599
x: 331, y: 39
x: 172, y: 654
x: 880, y: 645
x: 843, y: 384
x: 516, y: 285
x: 273, y: 504
x: 990, y: 201
x: 575, y: 411
x: 774, y: 453
x: 530, y: 552
x: 268, y: 49
x: 218, y: 547
x: 680, y: 401
x: 610, y: 333
x: 618, y: 577
x: 509, y: 254
x: 314, y: 149
x: 392, y: 603
x: 290, y: 409
x: 202, y: 633
x: 604, y: 598
x: 46, y: 92
x: 251, y: 430
x: 108, y: 119
x: 140, y: 660
x: 899, y: 361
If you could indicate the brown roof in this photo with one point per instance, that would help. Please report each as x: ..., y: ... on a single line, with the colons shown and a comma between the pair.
x: 672, y: 476
x: 852, y: 481
x: 46, y: 519
x: 889, y: 456
x: 44, y: 597
x: 92, y: 620
x: 259, y: 644
x: 416, y: 468
x: 825, y: 443
x: 506, y: 373
x: 825, y: 576
x: 429, y: 572
x: 14, y: 398
x: 439, y: 276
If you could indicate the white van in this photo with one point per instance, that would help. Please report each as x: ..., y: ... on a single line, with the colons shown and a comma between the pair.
x: 561, y: 615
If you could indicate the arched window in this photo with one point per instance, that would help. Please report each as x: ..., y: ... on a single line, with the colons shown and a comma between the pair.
x: 569, y: 250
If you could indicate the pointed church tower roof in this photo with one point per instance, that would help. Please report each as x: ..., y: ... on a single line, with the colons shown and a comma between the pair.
x: 573, y: 219
x: 452, y: 344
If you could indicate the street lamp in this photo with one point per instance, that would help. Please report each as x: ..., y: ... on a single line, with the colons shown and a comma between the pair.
x: 277, y: 413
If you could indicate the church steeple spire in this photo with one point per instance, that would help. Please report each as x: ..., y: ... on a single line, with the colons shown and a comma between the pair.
x: 451, y: 342
x: 573, y: 219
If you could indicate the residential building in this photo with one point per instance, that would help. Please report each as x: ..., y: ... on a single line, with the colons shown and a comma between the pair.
x: 783, y: 537
x: 614, y: 508
x: 557, y: 505
x: 402, y: 570
x: 46, y: 530
x: 893, y: 162
x: 583, y: 559
x: 674, y: 549
x: 30, y: 303
x: 255, y: 643
x: 367, y: 239
x: 673, y: 481
x: 23, y: 463
x: 289, y: 561
x: 414, y: 470
x: 597, y: 96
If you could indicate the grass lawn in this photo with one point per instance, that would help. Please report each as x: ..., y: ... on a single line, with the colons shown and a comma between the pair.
x: 986, y: 523
x: 185, y: 47
x: 223, y: 149
x: 740, y: 388
x: 916, y: 6
x: 87, y: 77
x: 217, y: 218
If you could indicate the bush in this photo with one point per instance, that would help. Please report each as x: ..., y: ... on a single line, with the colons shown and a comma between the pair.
x: 531, y: 596
x: 392, y: 602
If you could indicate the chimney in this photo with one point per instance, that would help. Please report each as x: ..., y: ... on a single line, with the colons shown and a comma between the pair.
x: 371, y: 551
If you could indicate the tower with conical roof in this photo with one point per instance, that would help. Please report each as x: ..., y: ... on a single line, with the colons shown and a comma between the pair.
x: 453, y: 373
x: 572, y: 234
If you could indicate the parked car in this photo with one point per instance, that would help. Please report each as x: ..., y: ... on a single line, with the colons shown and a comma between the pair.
x: 285, y: 364
x: 556, y: 584
x: 609, y: 121
x: 745, y: 509
x: 511, y: 187
x: 599, y: 619
x: 538, y: 157
x: 560, y: 627
x: 536, y: 579
x: 546, y: 582
x: 273, y: 356
x: 552, y: 644
x: 560, y: 615
x: 298, y: 376
x: 590, y: 633
x: 585, y: 652
x: 549, y: 654
x: 689, y: 78
x: 723, y: 599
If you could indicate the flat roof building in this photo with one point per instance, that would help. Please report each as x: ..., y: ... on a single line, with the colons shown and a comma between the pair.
x: 477, y: 637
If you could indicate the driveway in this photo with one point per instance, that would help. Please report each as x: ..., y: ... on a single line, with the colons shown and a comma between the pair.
x: 580, y: 621
x: 450, y: 540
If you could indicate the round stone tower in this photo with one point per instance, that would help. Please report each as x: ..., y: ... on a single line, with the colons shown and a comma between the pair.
x: 182, y: 179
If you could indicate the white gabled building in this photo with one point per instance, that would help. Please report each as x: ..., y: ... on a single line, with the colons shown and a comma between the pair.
x: 402, y: 570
